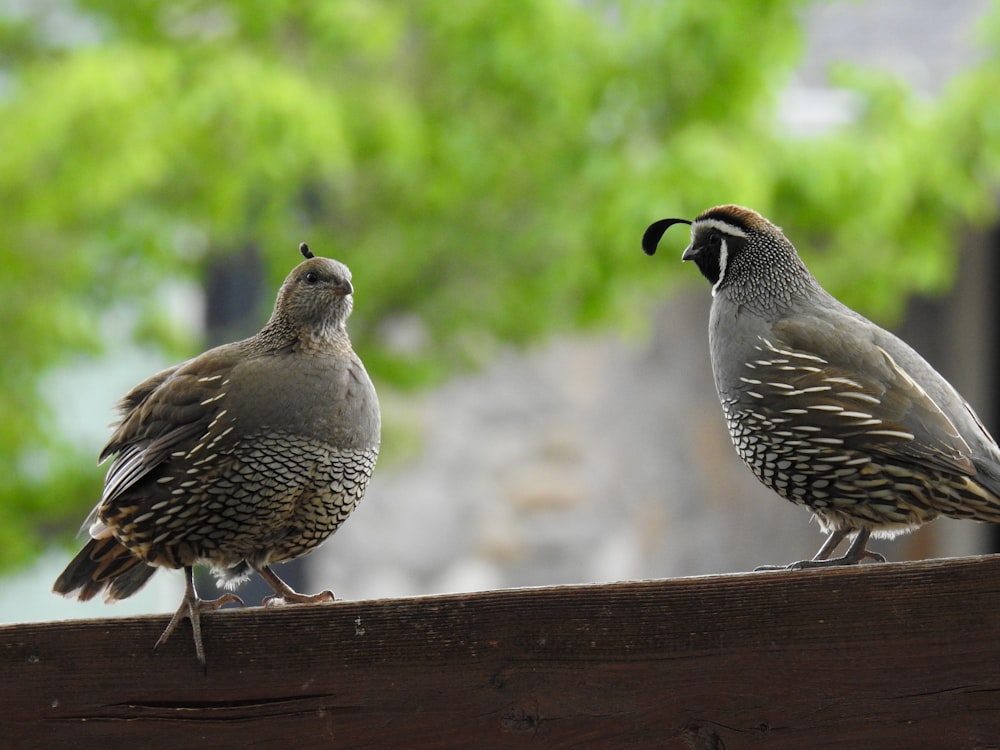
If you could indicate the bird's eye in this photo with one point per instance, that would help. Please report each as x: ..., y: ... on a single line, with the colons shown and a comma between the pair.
x: 311, y: 277
x: 714, y: 241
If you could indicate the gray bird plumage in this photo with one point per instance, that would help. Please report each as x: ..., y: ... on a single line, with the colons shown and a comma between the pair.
x: 825, y: 407
x: 252, y: 453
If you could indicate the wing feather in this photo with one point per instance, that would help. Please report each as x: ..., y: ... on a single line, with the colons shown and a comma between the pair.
x: 856, y: 392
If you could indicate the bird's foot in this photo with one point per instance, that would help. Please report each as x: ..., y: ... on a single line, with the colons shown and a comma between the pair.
x: 294, y: 597
x: 191, y: 609
x: 761, y: 568
x: 847, y: 559
x: 857, y: 552
x: 285, y: 594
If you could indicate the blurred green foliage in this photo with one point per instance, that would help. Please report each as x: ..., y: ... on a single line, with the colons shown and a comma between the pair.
x: 485, y: 168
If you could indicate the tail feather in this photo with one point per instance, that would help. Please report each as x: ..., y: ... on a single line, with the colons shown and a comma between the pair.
x: 103, y: 564
x: 127, y: 583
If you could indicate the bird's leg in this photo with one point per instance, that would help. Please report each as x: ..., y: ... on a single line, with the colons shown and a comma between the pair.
x: 831, y: 543
x: 835, y: 538
x: 191, y: 607
x: 285, y: 594
x: 859, y: 551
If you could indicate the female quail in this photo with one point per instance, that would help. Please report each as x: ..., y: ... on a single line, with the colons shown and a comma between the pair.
x: 826, y: 408
x: 252, y: 453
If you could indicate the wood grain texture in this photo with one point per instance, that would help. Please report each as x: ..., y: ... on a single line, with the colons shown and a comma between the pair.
x: 881, y: 656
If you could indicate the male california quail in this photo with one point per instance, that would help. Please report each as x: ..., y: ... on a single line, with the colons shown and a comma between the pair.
x: 826, y: 408
x: 252, y: 453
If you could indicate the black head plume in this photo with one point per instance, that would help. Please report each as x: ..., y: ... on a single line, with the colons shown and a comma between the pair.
x: 306, y: 252
x: 651, y: 237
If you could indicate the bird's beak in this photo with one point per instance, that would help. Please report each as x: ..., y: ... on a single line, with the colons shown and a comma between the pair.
x: 689, y: 253
x: 345, y: 288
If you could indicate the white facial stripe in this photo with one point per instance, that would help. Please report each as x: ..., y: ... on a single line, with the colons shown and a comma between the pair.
x: 723, y: 257
x: 723, y: 226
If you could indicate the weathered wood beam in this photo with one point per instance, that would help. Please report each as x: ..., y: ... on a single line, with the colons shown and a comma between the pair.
x: 893, y: 655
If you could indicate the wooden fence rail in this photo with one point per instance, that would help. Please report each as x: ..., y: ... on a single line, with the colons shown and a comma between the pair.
x: 879, y: 656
